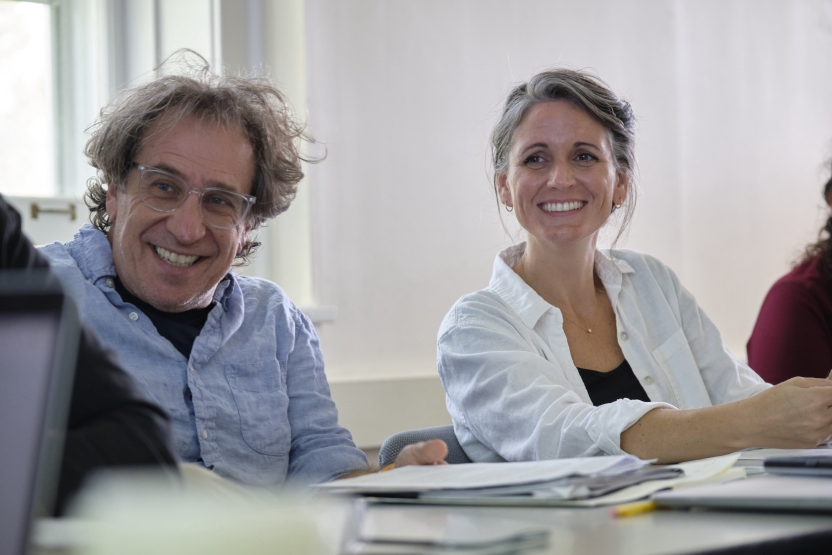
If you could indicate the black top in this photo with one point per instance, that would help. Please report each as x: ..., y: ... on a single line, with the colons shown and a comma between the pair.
x: 180, y: 328
x: 606, y: 387
x: 110, y: 423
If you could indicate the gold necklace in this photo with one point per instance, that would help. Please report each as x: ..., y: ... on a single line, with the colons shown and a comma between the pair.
x: 594, y: 318
x: 597, y: 304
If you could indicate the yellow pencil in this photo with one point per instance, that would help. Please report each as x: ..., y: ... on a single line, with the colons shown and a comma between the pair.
x: 637, y: 508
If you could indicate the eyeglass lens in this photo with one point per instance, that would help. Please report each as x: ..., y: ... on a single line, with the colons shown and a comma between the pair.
x: 218, y: 207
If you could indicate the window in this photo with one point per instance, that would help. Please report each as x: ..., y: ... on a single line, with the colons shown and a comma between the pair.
x: 27, y: 139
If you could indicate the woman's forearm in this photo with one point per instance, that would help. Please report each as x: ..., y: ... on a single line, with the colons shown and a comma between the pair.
x: 672, y: 436
x: 793, y: 415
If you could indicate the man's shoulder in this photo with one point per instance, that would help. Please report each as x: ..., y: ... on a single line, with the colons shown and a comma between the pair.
x: 260, y: 287
x: 60, y: 257
x: 262, y: 294
x: 89, y: 252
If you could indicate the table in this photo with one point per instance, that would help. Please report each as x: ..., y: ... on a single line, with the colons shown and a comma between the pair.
x: 591, y: 531
x: 572, y: 531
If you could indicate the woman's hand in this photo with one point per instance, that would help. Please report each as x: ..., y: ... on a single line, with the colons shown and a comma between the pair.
x: 795, y: 414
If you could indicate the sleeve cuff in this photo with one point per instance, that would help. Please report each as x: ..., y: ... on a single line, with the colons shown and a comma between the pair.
x: 610, y: 420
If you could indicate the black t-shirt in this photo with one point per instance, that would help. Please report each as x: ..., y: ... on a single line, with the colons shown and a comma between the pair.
x: 606, y: 387
x: 180, y: 328
x: 110, y: 423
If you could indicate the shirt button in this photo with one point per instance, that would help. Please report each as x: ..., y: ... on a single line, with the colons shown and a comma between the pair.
x: 623, y: 335
x: 109, y: 283
x: 648, y: 380
x: 204, y: 434
x: 134, y: 316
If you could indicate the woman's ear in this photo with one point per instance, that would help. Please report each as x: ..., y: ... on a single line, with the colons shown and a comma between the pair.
x: 503, y: 190
x: 622, y: 187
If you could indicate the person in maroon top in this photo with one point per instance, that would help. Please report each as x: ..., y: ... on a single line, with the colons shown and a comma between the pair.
x: 793, y: 333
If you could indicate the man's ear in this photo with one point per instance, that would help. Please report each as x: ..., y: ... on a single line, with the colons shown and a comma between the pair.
x: 503, y: 191
x: 243, y: 238
x: 111, y: 202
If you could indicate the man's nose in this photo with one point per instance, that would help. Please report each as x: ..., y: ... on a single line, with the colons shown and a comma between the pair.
x: 185, y: 223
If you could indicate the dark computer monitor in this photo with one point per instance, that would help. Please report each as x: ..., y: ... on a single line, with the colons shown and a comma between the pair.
x: 39, y: 336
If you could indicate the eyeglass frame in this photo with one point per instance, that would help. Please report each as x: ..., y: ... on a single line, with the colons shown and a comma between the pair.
x: 250, y: 200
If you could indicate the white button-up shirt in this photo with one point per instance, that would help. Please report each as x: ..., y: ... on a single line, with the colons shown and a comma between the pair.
x: 514, y: 393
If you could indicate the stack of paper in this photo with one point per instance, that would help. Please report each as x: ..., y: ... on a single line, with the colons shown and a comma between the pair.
x: 582, y: 481
x: 483, y: 476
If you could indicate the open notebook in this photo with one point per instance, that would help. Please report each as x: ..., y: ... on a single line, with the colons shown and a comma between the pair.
x: 39, y: 335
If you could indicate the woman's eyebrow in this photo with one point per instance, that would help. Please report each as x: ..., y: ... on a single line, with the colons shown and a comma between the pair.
x: 582, y: 143
x: 533, y: 146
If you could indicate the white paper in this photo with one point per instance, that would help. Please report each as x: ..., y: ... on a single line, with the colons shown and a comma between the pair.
x: 760, y: 454
x: 701, y: 472
x: 484, y: 475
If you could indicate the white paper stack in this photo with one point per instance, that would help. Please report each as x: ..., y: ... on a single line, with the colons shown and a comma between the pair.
x: 581, y: 481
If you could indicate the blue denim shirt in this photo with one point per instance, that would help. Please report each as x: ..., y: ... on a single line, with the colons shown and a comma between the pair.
x: 252, y: 403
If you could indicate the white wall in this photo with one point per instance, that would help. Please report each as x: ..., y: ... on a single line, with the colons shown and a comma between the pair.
x: 734, y: 101
x: 756, y: 122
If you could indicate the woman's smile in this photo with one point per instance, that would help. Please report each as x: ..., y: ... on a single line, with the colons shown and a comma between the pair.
x: 562, y: 207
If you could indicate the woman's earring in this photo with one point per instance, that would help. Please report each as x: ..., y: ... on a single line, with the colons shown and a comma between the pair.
x: 509, y: 208
x: 615, y: 207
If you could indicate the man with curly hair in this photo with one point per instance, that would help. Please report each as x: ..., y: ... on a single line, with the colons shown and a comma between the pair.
x: 188, y: 166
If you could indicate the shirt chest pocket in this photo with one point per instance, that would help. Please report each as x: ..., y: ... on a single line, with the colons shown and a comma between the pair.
x: 260, y: 394
x: 682, y: 372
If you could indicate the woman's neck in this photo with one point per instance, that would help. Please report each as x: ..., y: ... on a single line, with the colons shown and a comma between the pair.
x: 564, y: 275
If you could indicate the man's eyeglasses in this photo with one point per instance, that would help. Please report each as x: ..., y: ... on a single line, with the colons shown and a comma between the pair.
x: 165, y: 192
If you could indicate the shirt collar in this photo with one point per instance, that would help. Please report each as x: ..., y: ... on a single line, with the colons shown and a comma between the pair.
x: 93, y: 253
x: 525, y: 301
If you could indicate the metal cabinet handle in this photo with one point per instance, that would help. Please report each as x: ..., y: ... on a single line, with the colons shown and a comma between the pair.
x: 37, y: 210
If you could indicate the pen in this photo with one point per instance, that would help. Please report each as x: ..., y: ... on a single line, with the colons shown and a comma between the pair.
x: 637, y: 508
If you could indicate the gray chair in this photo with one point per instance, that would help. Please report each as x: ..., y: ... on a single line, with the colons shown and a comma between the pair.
x: 394, y: 444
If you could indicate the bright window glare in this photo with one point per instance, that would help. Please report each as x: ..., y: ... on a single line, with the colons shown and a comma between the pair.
x: 26, y: 121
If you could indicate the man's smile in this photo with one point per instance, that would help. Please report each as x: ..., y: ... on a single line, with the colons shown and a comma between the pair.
x: 179, y: 260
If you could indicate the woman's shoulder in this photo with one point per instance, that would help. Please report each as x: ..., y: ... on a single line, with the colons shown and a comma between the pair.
x: 804, y: 281
x: 639, y: 263
x: 475, y: 309
x: 807, y: 272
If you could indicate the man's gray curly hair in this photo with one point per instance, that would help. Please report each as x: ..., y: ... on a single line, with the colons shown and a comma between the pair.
x: 251, y: 104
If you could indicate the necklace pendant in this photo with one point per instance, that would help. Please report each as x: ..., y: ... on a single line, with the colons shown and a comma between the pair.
x: 589, y: 330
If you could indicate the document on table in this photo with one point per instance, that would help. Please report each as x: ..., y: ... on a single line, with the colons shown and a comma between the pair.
x: 694, y: 473
x: 769, y: 492
x: 716, y: 470
x: 758, y: 454
x: 418, y: 479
